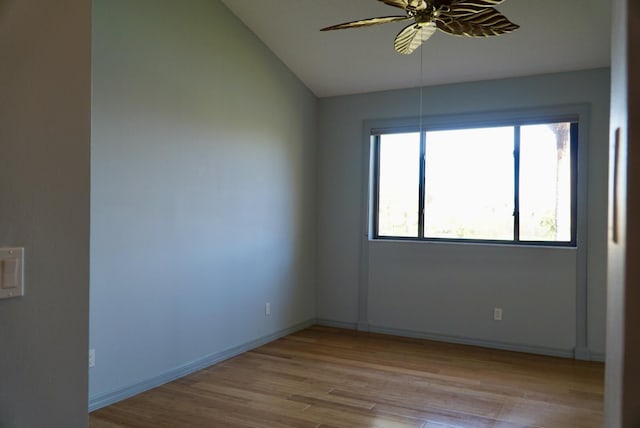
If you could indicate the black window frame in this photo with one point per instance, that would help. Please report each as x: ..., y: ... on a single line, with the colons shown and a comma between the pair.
x: 516, y: 124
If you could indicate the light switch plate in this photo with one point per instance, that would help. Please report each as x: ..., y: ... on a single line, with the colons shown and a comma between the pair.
x: 11, y: 272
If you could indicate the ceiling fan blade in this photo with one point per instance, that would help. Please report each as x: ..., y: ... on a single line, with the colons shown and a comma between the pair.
x: 402, y: 4
x: 407, y: 4
x: 463, y: 8
x: 411, y: 37
x: 490, y: 22
x: 490, y: 17
x: 476, y: 3
x: 417, y: 4
x: 366, y: 22
x: 461, y: 28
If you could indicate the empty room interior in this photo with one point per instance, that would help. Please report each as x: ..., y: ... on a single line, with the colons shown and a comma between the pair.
x: 248, y: 221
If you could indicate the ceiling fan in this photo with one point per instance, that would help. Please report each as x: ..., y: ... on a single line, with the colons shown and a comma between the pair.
x: 471, y: 18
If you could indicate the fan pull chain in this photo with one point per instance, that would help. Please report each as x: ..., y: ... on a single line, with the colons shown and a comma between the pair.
x: 421, y: 88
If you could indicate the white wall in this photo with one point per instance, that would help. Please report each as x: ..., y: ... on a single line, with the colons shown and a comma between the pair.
x: 449, y: 290
x: 202, y: 197
x: 45, y: 87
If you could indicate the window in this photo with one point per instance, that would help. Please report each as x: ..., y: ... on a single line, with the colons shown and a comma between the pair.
x: 513, y: 183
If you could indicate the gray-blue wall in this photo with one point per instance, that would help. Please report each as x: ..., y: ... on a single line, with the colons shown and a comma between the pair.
x: 202, y: 191
x: 45, y: 101
x: 449, y: 290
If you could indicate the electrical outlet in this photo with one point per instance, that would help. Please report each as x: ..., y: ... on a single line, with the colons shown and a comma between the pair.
x: 497, y: 314
x: 267, y: 309
x: 92, y: 357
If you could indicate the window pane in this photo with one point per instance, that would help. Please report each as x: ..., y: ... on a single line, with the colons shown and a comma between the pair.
x: 545, y: 182
x: 469, y: 183
x: 399, y: 178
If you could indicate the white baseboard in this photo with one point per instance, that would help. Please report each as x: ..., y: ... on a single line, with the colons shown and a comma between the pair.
x: 337, y: 324
x: 103, y: 400
x: 582, y: 354
x: 517, y: 347
x: 363, y: 326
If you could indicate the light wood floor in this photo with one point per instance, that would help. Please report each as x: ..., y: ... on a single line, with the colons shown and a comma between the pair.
x: 324, y: 377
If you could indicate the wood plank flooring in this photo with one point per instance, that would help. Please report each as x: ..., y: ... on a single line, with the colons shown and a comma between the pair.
x: 325, y: 377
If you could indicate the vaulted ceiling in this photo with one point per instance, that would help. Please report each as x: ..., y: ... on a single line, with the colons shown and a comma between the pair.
x: 555, y: 36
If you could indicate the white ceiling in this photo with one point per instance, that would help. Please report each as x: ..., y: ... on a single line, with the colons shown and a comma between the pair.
x: 555, y: 36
